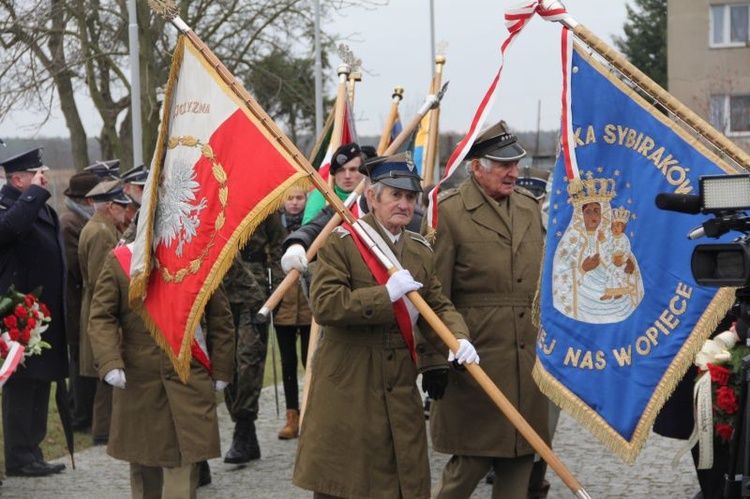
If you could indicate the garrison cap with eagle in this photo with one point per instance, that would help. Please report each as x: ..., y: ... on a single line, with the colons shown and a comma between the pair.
x: 29, y: 161
x: 533, y: 180
x: 496, y: 143
x: 396, y: 171
x: 109, y: 190
x: 105, y: 169
x: 136, y: 176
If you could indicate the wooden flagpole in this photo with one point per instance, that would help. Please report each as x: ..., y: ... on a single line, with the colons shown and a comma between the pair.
x: 428, y: 178
x: 168, y: 10
x: 354, y: 77
x: 398, y: 94
x: 653, y: 89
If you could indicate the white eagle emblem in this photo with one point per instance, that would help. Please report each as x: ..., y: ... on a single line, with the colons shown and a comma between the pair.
x: 177, y: 215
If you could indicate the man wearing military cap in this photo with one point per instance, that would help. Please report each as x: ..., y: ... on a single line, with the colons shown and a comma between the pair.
x: 106, y: 170
x: 32, y: 255
x: 488, y: 253
x: 98, y: 238
x: 363, y: 432
x: 345, y: 165
x: 134, y: 181
x: 78, y: 210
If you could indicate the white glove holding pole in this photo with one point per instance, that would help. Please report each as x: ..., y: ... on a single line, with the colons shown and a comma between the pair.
x: 294, y: 258
x: 116, y: 378
x: 219, y: 385
x: 466, y: 353
x: 400, y: 283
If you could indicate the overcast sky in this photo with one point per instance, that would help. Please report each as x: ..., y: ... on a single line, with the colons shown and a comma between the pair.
x: 393, y: 42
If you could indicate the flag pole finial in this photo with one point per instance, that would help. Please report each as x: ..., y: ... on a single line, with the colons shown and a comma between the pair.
x: 163, y: 8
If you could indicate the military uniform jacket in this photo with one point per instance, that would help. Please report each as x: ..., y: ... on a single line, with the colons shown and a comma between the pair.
x: 157, y: 420
x: 488, y: 259
x: 98, y: 237
x: 363, y: 433
x: 32, y: 255
x: 246, y: 281
x: 72, y: 224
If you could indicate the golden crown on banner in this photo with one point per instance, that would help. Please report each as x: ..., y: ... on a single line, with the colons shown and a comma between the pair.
x: 621, y: 214
x: 591, y: 190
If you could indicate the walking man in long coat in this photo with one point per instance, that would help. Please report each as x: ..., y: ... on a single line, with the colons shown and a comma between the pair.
x: 488, y: 254
x: 363, y: 432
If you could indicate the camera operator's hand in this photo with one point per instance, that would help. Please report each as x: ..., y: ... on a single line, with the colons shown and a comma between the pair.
x: 590, y: 263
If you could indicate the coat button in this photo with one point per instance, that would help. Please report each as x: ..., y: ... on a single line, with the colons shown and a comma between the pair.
x: 521, y: 314
x: 389, y: 387
x: 167, y: 377
x: 389, y: 356
x: 521, y: 344
x: 519, y: 279
x: 420, y: 348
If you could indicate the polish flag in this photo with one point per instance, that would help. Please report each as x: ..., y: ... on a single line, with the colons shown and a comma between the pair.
x: 216, y: 174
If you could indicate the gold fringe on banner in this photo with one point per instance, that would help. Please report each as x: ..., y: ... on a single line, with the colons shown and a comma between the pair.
x: 139, y: 282
x: 588, y: 417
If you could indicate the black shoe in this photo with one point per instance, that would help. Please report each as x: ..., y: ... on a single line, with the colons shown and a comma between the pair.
x: 101, y: 440
x: 36, y: 468
x: 55, y: 467
x: 490, y: 478
x: 244, y: 446
x: 204, y: 474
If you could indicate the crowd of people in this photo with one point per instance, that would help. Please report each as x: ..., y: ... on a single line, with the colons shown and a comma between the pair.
x: 363, y: 433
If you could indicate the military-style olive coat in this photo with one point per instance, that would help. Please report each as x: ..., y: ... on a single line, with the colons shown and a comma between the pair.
x: 98, y: 237
x: 157, y: 420
x: 363, y: 434
x: 488, y: 258
x: 71, y: 225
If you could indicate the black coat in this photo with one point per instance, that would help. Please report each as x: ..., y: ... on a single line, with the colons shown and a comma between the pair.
x: 32, y: 255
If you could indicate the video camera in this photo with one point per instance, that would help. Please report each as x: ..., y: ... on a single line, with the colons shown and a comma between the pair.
x: 727, y: 197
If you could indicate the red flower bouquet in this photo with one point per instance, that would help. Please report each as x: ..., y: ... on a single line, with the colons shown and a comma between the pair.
x: 726, y: 381
x: 23, y: 319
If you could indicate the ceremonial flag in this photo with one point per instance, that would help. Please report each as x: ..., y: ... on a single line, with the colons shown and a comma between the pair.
x: 217, y: 173
x: 621, y: 315
x: 420, y: 143
x: 397, y: 128
x: 348, y: 134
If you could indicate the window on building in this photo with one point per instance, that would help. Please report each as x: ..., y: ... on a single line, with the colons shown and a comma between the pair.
x: 730, y: 114
x: 730, y: 25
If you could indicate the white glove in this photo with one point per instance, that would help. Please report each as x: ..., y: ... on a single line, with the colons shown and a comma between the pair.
x: 466, y: 353
x: 727, y: 339
x: 400, y: 283
x: 294, y: 258
x: 116, y: 378
x: 219, y: 385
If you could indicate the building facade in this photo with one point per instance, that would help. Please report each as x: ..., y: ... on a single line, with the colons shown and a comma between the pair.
x: 708, y: 62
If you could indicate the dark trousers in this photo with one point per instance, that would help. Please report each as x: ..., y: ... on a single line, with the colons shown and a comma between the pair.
x: 287, y: 336
x: 82, y: 390
x: 25, y: 408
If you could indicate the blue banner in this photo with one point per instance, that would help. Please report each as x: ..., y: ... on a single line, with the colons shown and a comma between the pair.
x: 621, y: 315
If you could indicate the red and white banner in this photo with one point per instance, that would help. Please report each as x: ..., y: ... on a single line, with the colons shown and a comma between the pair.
x: 217, y: 172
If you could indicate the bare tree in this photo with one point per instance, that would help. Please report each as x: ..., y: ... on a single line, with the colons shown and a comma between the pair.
x: 80, y: 47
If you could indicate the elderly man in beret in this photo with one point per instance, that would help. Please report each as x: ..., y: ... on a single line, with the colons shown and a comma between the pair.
x: 79, y: 209
x: 345, y: 165
x: 488, y: 253
x: 32, y: 255
x: 363, y: 433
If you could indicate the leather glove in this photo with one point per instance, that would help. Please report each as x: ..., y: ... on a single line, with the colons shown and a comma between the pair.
x: 219, y: 385
x: 466, y: 353
x: 400, y: 283
x: 116, y: 378
x: 434, y: 382
x: 294, y: 258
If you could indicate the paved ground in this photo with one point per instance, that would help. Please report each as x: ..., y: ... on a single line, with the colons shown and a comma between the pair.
x: 602, y: 474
